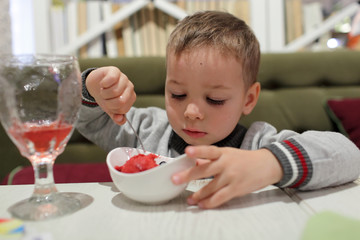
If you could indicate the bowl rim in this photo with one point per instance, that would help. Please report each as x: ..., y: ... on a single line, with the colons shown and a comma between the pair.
x: 146, y: 172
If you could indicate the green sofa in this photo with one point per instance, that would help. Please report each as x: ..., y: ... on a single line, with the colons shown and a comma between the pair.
x: 295, y: 87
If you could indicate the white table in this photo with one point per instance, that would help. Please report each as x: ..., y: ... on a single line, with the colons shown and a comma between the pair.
x: 270, y: 213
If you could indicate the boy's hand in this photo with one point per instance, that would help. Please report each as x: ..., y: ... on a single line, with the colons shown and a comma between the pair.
x: 236, y: 173
x: 113, y: 92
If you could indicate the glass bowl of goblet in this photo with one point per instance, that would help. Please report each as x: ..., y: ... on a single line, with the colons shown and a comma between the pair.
x: 40, y: 97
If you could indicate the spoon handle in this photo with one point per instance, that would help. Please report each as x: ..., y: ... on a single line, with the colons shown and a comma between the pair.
x: 137, y: 136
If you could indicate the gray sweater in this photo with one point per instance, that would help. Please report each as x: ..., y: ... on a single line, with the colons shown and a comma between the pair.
x: 310, y: 160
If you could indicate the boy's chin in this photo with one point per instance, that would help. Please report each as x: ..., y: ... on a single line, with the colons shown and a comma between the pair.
x: 198, y: 141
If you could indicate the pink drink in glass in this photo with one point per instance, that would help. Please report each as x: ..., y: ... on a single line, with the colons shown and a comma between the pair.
x: 41, y: 141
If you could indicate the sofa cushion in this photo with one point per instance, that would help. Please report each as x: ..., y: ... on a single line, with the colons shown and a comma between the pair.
x: 346, y: 115
x: 63, y: 173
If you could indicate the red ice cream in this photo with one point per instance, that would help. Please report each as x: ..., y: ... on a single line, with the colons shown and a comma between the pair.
x: 138, y: 163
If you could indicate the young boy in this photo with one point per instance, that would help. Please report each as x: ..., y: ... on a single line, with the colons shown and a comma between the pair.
x: 212, y: 64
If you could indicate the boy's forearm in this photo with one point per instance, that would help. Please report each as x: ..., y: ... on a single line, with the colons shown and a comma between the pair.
x: 310, y: 160
x: 315, y: 160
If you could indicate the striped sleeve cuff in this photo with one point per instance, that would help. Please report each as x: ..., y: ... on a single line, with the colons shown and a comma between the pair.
x: 87, y: 99
x: 295, y: 162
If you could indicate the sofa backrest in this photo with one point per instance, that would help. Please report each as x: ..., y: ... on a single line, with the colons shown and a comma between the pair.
x: 295, y: 86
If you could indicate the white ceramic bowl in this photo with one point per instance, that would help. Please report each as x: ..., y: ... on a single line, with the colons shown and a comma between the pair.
x: 153, y: 186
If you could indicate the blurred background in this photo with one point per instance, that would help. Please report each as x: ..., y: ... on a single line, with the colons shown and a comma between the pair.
x: 90, y: 29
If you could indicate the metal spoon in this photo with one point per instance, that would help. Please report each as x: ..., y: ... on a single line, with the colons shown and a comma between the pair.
x: 137, y: 136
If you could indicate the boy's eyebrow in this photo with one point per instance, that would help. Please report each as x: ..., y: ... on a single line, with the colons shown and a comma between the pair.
x: 173, y: 81
x: 217, y: 86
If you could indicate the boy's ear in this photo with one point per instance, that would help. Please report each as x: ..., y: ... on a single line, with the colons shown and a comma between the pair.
x: 252, y: 96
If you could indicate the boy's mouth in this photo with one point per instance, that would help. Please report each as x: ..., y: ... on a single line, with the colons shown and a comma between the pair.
x: 194, y: 133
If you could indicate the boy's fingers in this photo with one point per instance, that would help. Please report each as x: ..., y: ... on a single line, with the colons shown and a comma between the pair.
x: 206, y: 200
x: 112, y: 92
x: 201, y: 161
x: 113, y: 76
x: 203, y: 152
x: 129, y: 95
x: 119, y: 119
x: 119, y: 89
x: 122, y: 104
x: 181, y: 177
x: 212, y: 187
x: 217, y: 199
x: 116, y: 106
x: 203, y: 170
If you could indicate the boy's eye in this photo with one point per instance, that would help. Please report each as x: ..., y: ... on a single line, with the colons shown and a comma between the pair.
x: 178, y: 96
x: 215, y: 102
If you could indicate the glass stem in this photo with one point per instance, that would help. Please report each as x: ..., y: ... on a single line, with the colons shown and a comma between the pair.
x: 44, y: 182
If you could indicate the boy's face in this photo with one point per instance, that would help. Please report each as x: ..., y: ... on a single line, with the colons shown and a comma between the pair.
x: 205, y: 95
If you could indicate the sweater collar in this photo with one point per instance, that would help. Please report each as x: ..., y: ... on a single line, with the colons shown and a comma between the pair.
x: 233, y: 140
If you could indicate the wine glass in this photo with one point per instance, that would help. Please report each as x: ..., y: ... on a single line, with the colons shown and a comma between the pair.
x: 40, y: 97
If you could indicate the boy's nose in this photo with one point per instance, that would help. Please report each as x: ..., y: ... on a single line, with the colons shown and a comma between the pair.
x: 193, y: 112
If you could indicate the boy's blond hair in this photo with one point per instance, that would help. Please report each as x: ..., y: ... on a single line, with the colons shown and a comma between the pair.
x: 220, y: 30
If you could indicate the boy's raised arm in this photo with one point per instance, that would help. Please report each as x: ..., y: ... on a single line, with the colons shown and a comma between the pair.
x: 112, y: 91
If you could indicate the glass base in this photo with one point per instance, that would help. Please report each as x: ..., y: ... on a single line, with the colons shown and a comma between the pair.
x: 50, y: 206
